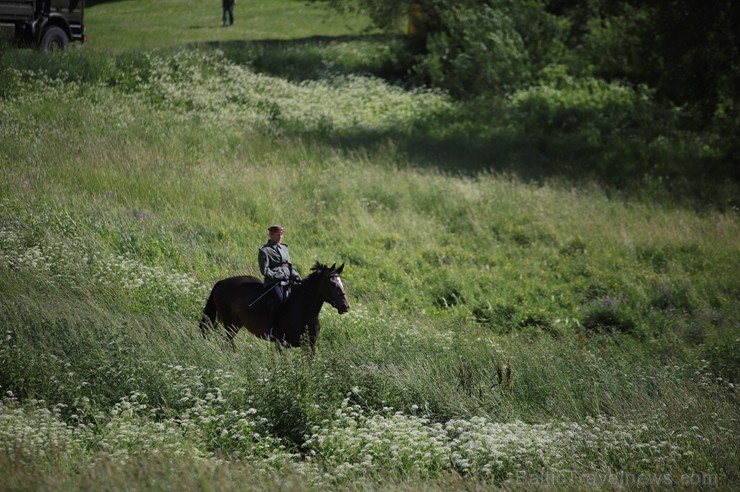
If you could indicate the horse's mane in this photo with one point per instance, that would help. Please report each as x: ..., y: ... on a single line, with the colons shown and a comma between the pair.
x: 319, y: 267
x: 316, y: 272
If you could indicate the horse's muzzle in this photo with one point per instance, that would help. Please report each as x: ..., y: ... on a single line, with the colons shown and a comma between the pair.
x: 342, y: 308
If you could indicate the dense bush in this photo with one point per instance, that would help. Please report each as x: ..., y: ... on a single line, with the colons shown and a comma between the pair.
x: 674, y: 55
x: 490, y: 48
x: 622, y: 133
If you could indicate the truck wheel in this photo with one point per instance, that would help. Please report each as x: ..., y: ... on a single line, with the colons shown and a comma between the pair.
x: 54, y: 39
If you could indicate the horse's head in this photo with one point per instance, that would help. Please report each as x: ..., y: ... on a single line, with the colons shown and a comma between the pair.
x: 331, y: 287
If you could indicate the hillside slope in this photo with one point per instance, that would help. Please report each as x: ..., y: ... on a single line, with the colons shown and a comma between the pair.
x: 503, y: 332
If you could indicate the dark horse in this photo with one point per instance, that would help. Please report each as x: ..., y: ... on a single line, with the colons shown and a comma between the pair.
x: 297, y: 318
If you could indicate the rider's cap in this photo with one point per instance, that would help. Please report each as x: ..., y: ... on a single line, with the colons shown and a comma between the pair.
x: 276, y: 228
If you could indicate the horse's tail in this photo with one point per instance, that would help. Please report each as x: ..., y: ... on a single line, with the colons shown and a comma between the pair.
x: 209, y: 312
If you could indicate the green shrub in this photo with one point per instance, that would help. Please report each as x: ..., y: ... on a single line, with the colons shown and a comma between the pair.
x: 673, y: 296
x: 607, y: 316
x: 591, y: 110
x: 490, y: 49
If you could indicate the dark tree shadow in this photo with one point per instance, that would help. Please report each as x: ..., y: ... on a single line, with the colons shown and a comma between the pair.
x: 312, y: 58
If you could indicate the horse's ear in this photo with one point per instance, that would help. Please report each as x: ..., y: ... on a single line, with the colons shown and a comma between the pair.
x: 339, y: 270
x: 333, y: 267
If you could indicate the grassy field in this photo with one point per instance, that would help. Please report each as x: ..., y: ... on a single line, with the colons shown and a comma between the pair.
x: 508, y: 329
x: 135, y: 24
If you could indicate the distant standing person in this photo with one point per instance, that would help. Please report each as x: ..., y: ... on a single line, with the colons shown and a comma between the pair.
x: 228, y: 6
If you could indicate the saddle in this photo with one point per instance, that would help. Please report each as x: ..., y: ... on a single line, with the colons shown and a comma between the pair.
x: 264, y: 303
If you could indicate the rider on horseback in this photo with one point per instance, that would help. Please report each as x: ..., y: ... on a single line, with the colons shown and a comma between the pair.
x: 275, y: 266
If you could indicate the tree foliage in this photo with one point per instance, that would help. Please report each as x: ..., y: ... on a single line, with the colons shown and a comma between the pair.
x: 688, y: 51
x: 491, y: 47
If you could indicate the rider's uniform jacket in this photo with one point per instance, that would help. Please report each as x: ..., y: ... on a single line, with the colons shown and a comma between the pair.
x: 274, y: 263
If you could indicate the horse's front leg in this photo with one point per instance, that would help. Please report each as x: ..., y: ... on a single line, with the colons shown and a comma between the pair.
x: 313, y: 333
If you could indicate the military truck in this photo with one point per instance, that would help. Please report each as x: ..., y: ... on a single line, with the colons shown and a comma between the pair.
x: 51, y: 25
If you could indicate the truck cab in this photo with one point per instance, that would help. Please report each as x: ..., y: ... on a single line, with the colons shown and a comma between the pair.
x: 49, y: 24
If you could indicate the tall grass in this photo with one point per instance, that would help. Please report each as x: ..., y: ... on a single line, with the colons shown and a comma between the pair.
x: 500, y: 331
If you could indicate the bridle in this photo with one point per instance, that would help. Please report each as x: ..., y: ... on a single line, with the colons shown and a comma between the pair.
x: 337, y: 300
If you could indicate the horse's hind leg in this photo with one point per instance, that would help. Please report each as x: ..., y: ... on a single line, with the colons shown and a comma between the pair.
x: 206, y: 325
x: 232, y: 326
x: 231, y: 332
